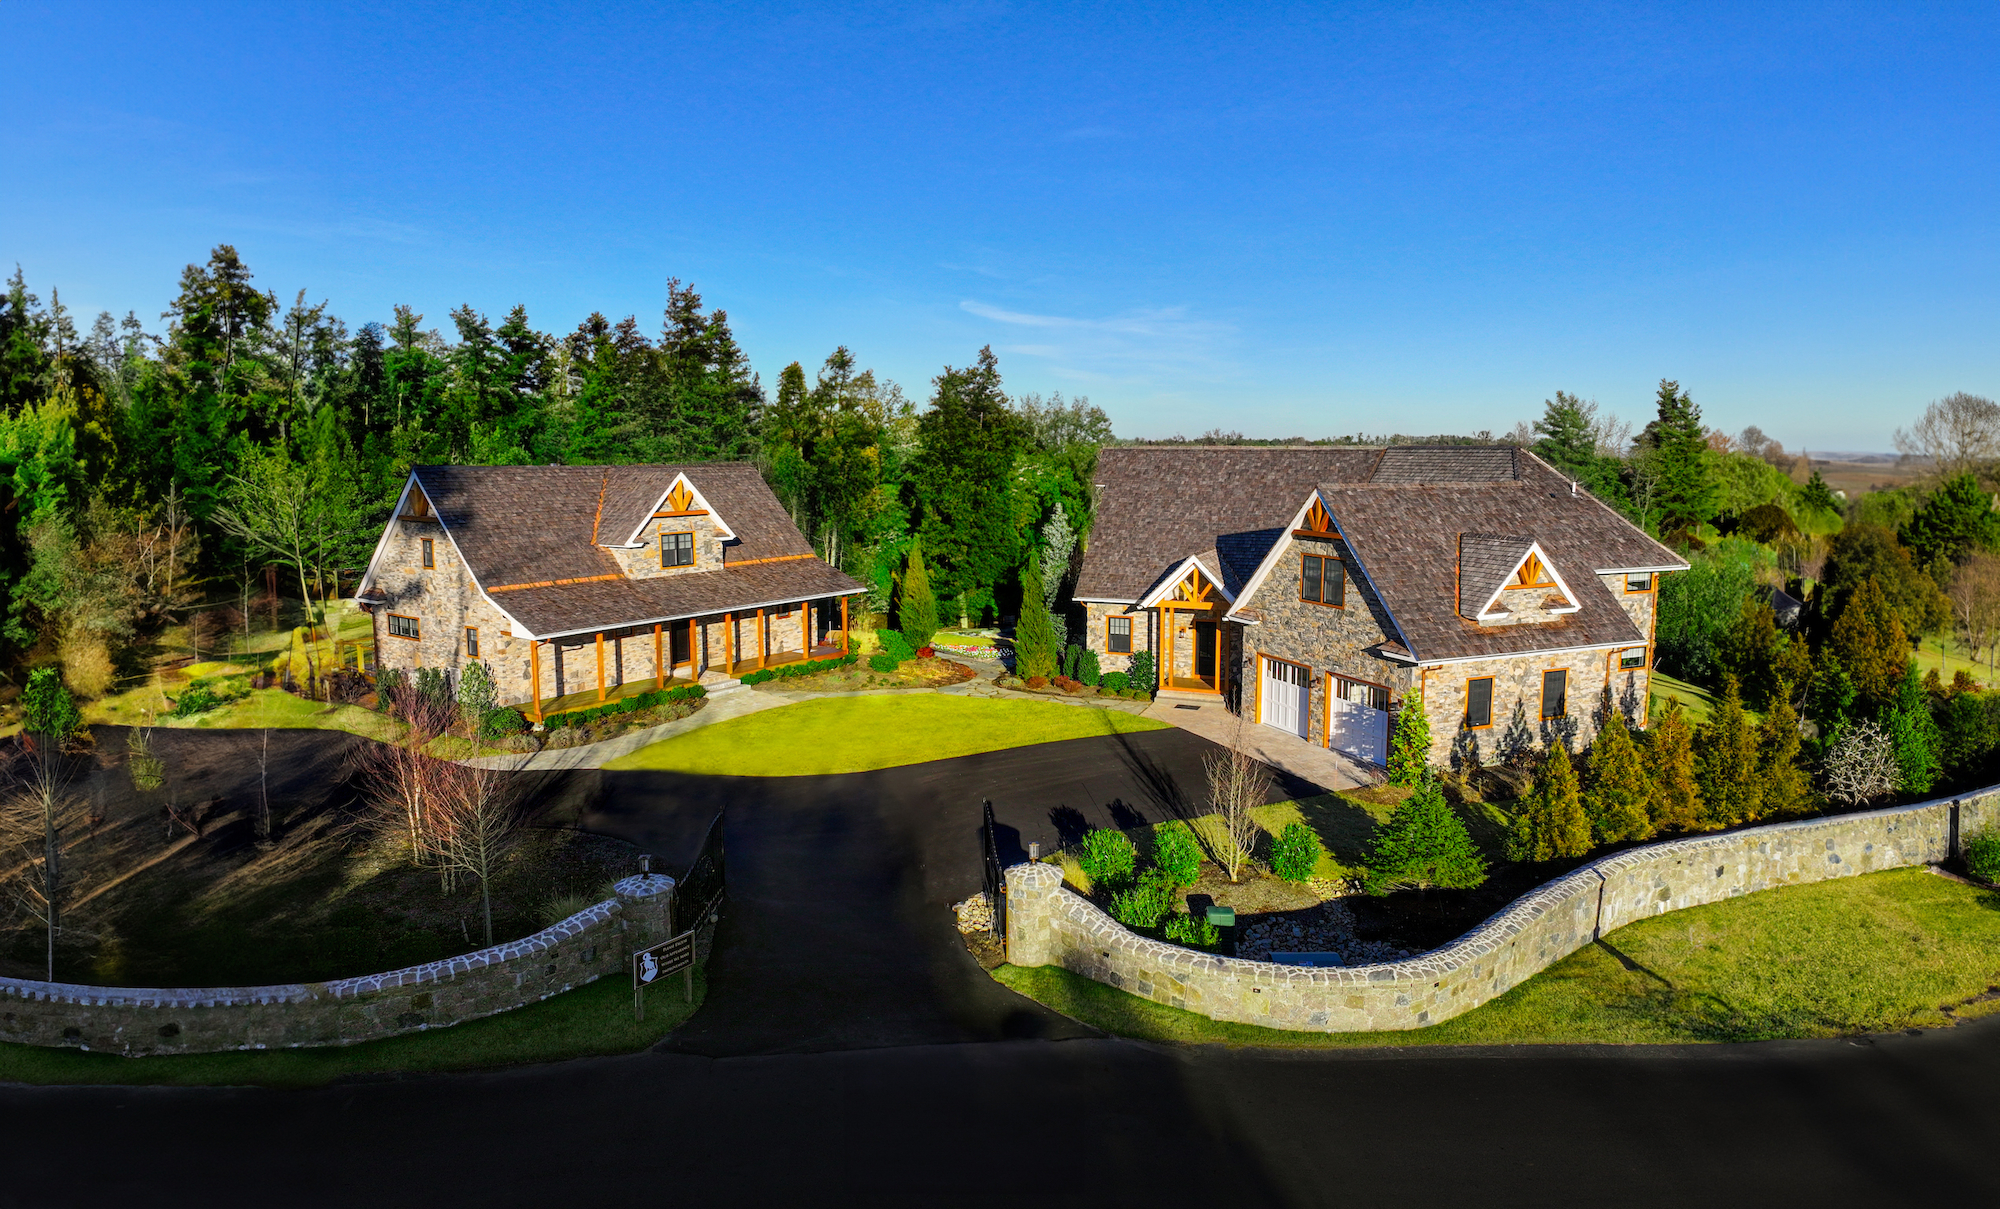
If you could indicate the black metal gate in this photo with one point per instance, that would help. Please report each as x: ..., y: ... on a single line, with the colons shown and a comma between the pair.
x: 996, y: 877
x: 700, y: 890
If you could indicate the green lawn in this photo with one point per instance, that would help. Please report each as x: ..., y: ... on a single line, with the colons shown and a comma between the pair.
x: 593, y: 1019
x: 1867, y: 954
x: 855, y: 734
x: 1695, y: 701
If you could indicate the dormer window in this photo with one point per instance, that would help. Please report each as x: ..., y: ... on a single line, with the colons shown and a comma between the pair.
x: 676, y: 549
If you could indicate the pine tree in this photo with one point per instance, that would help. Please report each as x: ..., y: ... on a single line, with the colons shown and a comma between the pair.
x: 1410, y: 746
x: 1551, y: 823
x: 1618, y: 799
x: 966, y: 445
x: 1819, y: 497
x: 1871, y: 644
x: 1830, y: 699
x: 1034, y: 638
x: 1785, y: 788
x: 1424, y: 845
x: 1680, y: 461
x: 917, y: 608
x: 1957, y: 519
x: 1675, y: 800
x: 1914, y: 734
x: 1726, y: 762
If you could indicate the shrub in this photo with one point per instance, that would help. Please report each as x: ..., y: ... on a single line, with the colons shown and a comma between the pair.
x: 48, y: 709
x: 1087, y: 669
x: 198, y: 698
x: 1982, y: 856
x: 1067, y: 685
x: 1424, y: 844
x: 500, y: 723
x: 883, y: 663
x: 1295, y: 853
x: 583, y: 717
x: 1144, y: 672
x: 806, y: 667
x: 1107, y: 858
x: 477, y: 694
x: 1551, y: 824
x: 1068, y: 663
x: 1619, y: 797
x: 916, y: 608
x: 1115, y: 681
x: 1036, y: 682
x: 1177, y: 853
x: 893, y: 643
x: 1145, y: 903
x: 1191, y: 930
x: 1034, y: 632
x: 388, y: 683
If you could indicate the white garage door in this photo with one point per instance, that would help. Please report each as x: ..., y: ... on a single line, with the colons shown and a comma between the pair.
x: 1358, y: 720
x: 1283, y: 699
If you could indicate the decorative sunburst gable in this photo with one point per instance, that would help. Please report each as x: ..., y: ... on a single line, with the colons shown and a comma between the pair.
x: 1527, y: 569
x: 1317, y: 522
x: 1190, y: 585
x: 681, y: 498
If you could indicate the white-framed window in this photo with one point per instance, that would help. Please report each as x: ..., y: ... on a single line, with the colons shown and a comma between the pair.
x: 1631, y: 658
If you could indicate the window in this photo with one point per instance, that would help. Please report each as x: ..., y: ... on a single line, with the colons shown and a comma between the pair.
x: 430, y: 554
x: 401, y: 626
x: 1479, y: 702
x: 677, y: 549
x: 1374, y: 696
x: 1322, y: 580
x: 1533, y: 575
x: 1118, y: 635
x: 1555, y: 694
x: 1639, y: 583
x: 472, y: 642
x: 1631, y: 657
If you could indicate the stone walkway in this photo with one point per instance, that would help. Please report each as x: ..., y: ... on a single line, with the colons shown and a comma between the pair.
x: 1324, y: 767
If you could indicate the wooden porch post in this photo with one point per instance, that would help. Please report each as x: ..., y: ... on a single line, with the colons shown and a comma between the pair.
x: 535, y: 676
x: 694, y: 650
x: 729, y: 644
x: 659, y: 668
x: 806, y: 630
x: 843, y: 627
x: 600, y: 665
x: 760, y: 640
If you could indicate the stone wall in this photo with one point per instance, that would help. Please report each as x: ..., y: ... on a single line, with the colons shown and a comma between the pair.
x: 137, y: 1021
x: 1049, y: 925
x: 1095, y: 637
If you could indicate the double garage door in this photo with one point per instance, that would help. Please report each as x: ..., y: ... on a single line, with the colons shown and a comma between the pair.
x: 1357, y: 712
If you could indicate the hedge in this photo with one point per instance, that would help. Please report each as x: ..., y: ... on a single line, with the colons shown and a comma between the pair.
x: 806, y: 668
x: 630, y: 705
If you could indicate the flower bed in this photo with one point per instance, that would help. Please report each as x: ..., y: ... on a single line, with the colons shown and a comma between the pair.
x: 629, y: 705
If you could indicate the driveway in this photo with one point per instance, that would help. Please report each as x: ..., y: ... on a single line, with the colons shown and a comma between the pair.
x: 852, y: 1052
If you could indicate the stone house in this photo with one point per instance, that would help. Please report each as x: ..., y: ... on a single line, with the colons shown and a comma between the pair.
x: 1319, y: 590
x: 574, y: 581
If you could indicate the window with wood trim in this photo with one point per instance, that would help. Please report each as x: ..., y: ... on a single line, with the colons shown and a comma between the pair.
x: 1555, y: 694
x: 1479, y: 702
x: 1639, y: 583
x: 1631, y: 658
x: 472, y: 642
x: 1322, y: 580
x: 401, y: 626
x: 676, y: 549
x: 430, y: 554
x: 1118, y: 635
x: 1533, y: 575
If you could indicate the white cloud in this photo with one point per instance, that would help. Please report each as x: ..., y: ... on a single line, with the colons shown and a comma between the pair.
x: 1155, y: 344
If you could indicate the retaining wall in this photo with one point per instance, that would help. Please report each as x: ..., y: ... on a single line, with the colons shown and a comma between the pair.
x: 1050, y: 925
x: 138, y: 1021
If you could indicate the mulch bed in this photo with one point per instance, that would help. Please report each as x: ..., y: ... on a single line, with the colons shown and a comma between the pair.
x: 911, y: 673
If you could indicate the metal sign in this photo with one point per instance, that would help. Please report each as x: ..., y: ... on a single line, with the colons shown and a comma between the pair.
x: 674, y: 955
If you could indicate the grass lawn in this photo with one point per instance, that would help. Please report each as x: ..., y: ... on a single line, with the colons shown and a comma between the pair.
x: 855, y: 734
x: 593, y: 1019
x: 1695, y: 702
x: 1903, y: 949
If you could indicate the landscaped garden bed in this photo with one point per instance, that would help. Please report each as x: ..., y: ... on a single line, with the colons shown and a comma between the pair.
x: 860, y: 675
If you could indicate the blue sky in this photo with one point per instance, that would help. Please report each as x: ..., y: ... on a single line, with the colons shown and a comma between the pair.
x: 1309, y: 220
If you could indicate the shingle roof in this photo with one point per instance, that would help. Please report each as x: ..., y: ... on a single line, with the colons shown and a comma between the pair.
x: 541, y: 524
x: 1485, y: 560
x: 1447, y: 464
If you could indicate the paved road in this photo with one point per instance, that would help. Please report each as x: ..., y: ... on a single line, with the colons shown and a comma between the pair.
x: 851, y: 1052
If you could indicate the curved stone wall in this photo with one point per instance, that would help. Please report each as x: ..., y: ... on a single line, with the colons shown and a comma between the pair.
x: 1050, y: 925
x: 135, y: 1021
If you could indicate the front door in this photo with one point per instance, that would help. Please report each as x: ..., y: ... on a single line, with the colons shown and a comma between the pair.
x: 1282, y: 700
x: 1358, y: 720
x: 1204, y: 652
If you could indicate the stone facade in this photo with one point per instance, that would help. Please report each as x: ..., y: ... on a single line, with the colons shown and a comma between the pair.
x: 643, y: 561
x: 1517, y: 682
x: 1096, y: 633
x: 444, y: 604
x: 1049, y: 925
x: 133, y: 1021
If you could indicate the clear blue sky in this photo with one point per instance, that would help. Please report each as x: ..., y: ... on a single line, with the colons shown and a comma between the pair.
x: 1309, y: 221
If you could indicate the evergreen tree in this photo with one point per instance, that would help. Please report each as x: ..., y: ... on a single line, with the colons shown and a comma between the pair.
x: 967, y: 442
x: 1817, y: 496
x: 1914, y: 734
x: 1551, y: 824
x: 1871, y: 644
x: 1861, y: 552
x: 1726, y: 762
x: 1830, y: 698
x: 47, y: 709
x: 1410, y: 745
x: 1783, y: 786
x: 1680, y: 461
x: 1618, y: 800
x: 1568, y: 443
x: 1034, y: 639
x: 1424, y: 845
x: 1957, y: 519
x: 1675, y: 800
x: 917, y: 610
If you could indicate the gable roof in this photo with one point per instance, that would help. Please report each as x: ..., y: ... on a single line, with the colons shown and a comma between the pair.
x: 1485, y: 562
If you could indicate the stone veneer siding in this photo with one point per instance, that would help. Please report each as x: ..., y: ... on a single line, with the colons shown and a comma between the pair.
x: 1096, y: 637
x: 132, y: 1021
x: 1517, y: 679
x: 1049, y: 925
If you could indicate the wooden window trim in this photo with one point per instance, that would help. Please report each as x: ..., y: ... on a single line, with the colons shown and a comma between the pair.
x: 414, y: 624
x: 1652, y: 583
x: 1546, y: 716
x: 430, y: 553
x: 472, y: 642
x: 664, y: 535
x: 1467, y: 712
x: 1645, y: 659
x: 1109, y: 646
x: 1324, y: 559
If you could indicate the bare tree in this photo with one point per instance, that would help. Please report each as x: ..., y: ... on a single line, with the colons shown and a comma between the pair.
x: 36, y: 818
x: 264, y: 789
x: 1862, y: 765
x: 1959, y: 432
x: 1975, y: 603
x: 472, y: 823
x: 399, y: 782
x: 1238, y: 783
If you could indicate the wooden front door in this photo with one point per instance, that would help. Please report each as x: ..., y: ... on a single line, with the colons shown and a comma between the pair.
x: 1204, y: 651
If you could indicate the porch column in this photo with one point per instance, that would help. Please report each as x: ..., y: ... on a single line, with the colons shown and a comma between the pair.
x: 694, y: 649
x: 659, y: 668
x: 843, y: 627
x: 600, y: 665
x: 760, y: 640
x: 535, y: 677
x: 729, y: 644
x: 805, y: 630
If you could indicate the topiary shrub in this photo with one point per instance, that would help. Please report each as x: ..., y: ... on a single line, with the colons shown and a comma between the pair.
x: 1107, y: 858
x: 1195, y: 932
x: 1177, y: 853
x: 1115, y: 681
x: 1982, y: 856
x: 1145, y: 903
x: 500, y: 723
x: 1087, y: 669
x: 1295, y: 853
x: 883, y: 663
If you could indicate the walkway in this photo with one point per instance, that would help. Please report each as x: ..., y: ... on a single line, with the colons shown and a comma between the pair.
x: 1330, y: 770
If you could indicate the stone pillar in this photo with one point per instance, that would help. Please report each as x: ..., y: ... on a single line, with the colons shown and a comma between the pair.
x: 1033, y: 891
x: 646, y: 901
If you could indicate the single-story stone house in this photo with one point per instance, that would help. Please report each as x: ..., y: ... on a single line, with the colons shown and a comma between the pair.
x: 1320, y: 589
x: 569, y: 580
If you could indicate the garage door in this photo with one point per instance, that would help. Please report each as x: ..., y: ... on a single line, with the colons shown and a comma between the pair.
x: 1358, y: 720
x: 1283, y: 699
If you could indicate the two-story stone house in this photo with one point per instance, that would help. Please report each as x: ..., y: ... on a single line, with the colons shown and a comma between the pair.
x: 581, y: 579
x: 1319, y: 589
